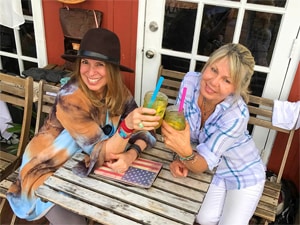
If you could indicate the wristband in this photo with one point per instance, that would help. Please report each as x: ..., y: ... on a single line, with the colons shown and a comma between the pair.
x: 135, y: 148
x: 123, y: 133
x: 125, y: 128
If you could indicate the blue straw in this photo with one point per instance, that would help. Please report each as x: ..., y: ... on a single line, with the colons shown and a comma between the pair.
x: 154, y: 95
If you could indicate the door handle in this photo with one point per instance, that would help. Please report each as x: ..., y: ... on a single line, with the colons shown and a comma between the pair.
x: 153, y: 26
x: 150, y: 54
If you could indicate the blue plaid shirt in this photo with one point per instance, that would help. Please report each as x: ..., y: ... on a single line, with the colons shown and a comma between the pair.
x: 224, y: 140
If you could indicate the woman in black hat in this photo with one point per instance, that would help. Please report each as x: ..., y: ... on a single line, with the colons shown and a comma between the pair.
x: 94, y: 113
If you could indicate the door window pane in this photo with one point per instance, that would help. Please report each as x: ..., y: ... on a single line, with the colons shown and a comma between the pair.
x: 10, y: 65
x: 175, y: 63
x: 27, y: 39
x: 278, y: 3
x: 217, y: 28
x: 28, y: 65
x: 257, y: 83
x: 26, y: 6
x: 259, y: 33
x: 7, y: 40
x: 199, y: 66
x: 179, y: 24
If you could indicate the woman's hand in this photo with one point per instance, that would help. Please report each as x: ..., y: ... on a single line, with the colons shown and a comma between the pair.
x: 142, y: 119
x: 178, y: 141
x: 178, y: 169
x: 121, y: 162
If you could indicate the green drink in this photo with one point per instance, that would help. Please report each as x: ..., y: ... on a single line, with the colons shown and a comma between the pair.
x: 160, y: 104
x: 175, y: 118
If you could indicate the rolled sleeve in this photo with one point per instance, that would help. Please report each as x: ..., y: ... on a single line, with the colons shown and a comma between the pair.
x: 211, y: 159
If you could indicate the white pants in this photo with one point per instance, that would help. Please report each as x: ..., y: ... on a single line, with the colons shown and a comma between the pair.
x: 60, y: 216
x: 5, y: 118
x: 229, y: 207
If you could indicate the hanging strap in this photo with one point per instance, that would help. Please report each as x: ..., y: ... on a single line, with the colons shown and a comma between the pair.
x: 95, y: 17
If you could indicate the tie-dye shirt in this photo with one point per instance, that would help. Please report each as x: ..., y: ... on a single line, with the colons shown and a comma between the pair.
x: 224, y: 140
x: 73, y: 125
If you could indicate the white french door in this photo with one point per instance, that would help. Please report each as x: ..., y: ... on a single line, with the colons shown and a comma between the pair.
x: 180, y: 35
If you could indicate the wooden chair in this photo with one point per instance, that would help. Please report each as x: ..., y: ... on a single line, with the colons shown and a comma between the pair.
x: 46, y: 99
x: 171, y: 83
x: 261, y: 110
x: 16, y: 91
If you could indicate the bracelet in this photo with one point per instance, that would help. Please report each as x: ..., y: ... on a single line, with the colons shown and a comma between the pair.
x: 123, y: 133
x: 188, y: 158
x: 135, y: 148
x: 190, y: 161
x: 125, y: 128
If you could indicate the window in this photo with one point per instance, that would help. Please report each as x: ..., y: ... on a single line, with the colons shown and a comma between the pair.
x: 24, y: 47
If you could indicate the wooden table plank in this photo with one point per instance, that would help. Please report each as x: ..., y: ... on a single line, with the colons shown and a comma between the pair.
x: 94, y: 213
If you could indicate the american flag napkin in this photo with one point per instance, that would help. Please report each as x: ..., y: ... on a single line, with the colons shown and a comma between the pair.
x: 141, y: 173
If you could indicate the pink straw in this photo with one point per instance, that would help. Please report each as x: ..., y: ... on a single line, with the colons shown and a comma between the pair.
x: 182, y: 99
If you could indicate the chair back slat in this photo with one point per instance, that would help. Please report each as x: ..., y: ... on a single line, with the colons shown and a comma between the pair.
x: 261, y: 100
x: 261, y: 112
x: 171, y: 83
x: 46, y: 99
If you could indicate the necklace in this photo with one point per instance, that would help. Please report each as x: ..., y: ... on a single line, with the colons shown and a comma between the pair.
x: 205, y: 112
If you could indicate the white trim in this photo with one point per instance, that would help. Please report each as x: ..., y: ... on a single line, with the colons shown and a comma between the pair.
x: 139, y: 51
x: 39, y: 32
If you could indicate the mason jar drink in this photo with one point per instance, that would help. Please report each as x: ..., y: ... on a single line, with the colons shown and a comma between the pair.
x: 160, y: 104
x: 175, y: 118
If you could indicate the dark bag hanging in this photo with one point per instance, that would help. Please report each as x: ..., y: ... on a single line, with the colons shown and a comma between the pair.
x: 75, y: 22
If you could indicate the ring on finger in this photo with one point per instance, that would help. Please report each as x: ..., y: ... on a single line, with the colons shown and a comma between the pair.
x: 141, y: 125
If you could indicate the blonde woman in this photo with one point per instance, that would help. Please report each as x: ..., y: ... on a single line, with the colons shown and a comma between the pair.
x: 217, y: 115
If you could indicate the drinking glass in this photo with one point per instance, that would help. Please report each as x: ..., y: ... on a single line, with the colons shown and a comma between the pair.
x: 175, y: 118
x: 160, y: 104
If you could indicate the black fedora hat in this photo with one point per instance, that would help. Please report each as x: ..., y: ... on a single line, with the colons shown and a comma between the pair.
x: 99, y: 44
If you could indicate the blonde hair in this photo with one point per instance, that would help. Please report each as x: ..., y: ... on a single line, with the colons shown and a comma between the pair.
x: 115, y: 93
x: 241, y: 66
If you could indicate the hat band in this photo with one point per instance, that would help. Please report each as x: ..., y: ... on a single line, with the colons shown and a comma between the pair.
x: 97, y: 55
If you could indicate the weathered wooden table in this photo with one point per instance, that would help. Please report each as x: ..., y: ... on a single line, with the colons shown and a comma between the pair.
x: 169, y: 201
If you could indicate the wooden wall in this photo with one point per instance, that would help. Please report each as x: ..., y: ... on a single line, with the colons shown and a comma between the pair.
x: 118, y: 16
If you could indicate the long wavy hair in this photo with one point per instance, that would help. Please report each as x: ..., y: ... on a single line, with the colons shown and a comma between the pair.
x: 241, y: 66
x: 115, y: 93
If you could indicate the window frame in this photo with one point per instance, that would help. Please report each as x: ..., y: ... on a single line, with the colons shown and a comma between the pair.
x: 38, y: 23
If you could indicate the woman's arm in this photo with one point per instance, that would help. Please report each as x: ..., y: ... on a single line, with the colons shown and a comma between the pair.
x: 179, y: 142
x: 138, y: 141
